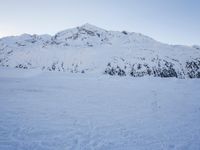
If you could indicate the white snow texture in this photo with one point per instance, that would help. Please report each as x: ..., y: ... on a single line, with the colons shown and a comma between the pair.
x: 66, y: 92
x: 60, y: 111
x: 89, y: 49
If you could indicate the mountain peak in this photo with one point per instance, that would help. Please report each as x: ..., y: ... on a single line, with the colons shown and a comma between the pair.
x: 91, y: 27
x: 88, y: 48
x: 88, y: 25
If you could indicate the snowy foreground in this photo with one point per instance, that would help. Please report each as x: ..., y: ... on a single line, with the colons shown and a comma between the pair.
x: 59, y: 111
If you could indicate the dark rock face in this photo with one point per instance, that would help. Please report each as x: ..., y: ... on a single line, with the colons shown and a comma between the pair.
x: 61, y: 67
x: 23, y: 66
x: 193, y: 68
x: 114, y: 71
x: 125, y: 33
x: 161, y: 68
x: 165, y: 70
x: 140, y: 70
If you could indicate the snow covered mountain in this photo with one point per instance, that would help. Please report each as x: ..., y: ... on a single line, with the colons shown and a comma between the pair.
x: 89, y: 49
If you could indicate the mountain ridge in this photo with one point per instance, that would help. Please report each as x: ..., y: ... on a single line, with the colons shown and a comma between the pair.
x: 88, y: 48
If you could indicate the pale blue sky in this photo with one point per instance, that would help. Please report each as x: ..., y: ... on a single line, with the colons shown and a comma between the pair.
x: 169, y: 21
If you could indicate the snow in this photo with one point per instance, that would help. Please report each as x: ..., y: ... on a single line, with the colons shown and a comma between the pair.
x: 89, y: 48
x: 63, y: 111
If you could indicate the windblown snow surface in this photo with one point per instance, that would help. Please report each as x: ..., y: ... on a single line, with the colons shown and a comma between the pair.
x: 63, y: 111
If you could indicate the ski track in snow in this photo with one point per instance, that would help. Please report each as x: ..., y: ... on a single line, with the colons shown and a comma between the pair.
x: 59, y: 111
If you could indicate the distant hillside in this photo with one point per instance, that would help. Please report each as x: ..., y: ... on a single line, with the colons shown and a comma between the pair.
x: 89, y: 49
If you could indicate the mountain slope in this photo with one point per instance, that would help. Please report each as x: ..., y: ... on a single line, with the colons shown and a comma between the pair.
x: 89, y: 49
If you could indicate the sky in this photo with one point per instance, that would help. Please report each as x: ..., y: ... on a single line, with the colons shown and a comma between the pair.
x: 168, y: 21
